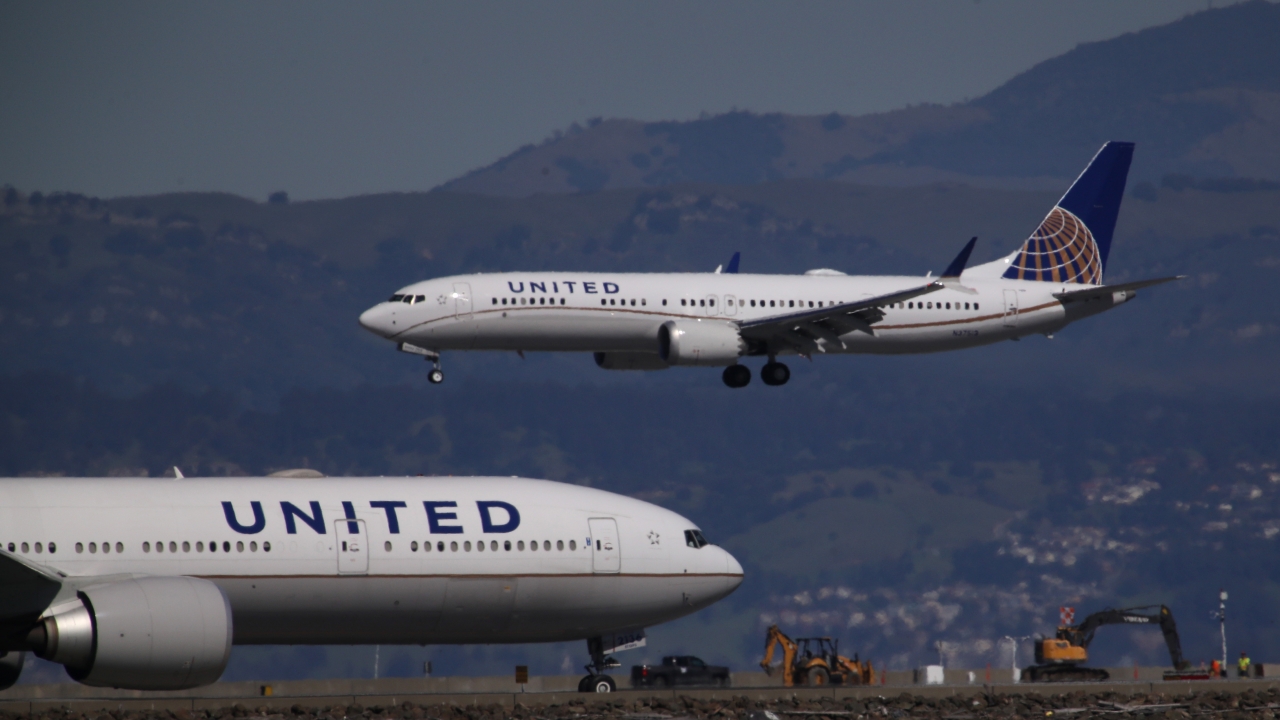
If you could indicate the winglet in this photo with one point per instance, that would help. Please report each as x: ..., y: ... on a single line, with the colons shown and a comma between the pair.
x: 957, y: 266
x: 732, y: 267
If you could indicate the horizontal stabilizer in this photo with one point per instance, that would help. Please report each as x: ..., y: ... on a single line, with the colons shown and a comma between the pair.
x: 1101, y: 291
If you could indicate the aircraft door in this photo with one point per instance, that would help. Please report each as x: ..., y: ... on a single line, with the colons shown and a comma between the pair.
x: 606, y: 556
x: 712, y: 302
x: 1011, y: 308
x: 730, y: 305
x: 462, y: 300
x: 352, y: 540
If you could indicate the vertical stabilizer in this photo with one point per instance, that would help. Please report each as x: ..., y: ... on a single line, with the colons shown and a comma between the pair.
x: 1073, y: 241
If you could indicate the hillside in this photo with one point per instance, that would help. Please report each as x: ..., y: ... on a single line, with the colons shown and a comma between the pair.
x: 1200, y: 95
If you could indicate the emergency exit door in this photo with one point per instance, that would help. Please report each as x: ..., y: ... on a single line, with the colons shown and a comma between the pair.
x: 352, y: 540
x: 605, y: 553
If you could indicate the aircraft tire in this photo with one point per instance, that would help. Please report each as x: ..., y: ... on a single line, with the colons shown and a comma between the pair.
x: 584, y: 685
x: 602, y: 684
x: 736, y: 376
x: 775, y: 373
x: 436, y: 376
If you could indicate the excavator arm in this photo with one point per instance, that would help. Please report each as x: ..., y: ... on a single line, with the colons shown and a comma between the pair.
x: 1081, y: 635
x: 776, y: 638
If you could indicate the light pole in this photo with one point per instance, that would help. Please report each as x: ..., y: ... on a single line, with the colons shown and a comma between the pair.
x: 1222, y: 625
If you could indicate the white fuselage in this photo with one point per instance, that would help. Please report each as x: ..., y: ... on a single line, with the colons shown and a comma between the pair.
x: 622, y: 312
x: 379, y: 560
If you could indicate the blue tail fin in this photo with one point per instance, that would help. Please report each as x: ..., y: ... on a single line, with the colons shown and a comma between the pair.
x: 732, y: 267
x: 1073, y: 241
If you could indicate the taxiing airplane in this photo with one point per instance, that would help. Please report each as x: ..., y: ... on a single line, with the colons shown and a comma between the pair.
x: 653, y: 321
x: 146, y: 583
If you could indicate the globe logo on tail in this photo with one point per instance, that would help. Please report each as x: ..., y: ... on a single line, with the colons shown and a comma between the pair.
x: 1061, y: 250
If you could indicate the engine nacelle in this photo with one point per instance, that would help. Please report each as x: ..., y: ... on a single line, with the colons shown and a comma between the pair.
x: 11, y: 668
x: 630, y: 361
x: 700, y: 342
x: 150, y: 633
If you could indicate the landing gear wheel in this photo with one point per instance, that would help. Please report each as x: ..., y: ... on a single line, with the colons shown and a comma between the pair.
x: 818, y: 677
x: 597, y: 684
x: 436, y: 376
x: 736, y: 376
x: 775, y: 373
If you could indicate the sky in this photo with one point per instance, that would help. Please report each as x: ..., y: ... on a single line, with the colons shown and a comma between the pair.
x: 331, y: 99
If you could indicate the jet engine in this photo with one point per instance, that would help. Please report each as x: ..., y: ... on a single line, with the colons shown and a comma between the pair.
x: 149, y: 633
x: 700, y: 342
x: 630, y: 361
x: 11, y: 668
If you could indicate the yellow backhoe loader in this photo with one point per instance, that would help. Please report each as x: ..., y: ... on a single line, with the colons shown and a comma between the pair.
x: 814, y: 661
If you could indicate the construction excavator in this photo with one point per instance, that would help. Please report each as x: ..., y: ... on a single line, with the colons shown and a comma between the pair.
x: 814, y: 661
x: 1059, y: 659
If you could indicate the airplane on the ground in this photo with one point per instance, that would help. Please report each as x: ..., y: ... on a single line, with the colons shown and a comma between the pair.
x: 652, y: 321
x: 146, y: 583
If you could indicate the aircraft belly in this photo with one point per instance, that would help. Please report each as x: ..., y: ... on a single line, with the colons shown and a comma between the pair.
x: 549, y: 330
x: 450, y: 610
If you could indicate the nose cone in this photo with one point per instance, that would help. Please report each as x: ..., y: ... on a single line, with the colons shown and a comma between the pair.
x: 374, y: 320
x: 733, y: 567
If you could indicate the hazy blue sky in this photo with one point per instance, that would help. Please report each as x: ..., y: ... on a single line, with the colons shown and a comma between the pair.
x: 327, y: 99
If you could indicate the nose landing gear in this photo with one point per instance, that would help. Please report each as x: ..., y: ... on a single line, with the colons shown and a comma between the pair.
x: 436, y: 375
x: 596, y: 681
x: 775, y: 373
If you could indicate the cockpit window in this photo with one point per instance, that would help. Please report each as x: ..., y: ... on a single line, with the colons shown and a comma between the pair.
x: 408, y: 299
x: 396, y: 298
x: 419, y: 298
x: 694, y: 539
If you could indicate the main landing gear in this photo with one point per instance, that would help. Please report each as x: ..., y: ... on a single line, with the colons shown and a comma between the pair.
x: 736, y: 376
x: 596, y: 681
x: 775, y: 373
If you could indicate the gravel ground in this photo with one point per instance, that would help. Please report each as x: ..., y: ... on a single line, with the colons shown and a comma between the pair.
x: 1079, y: 705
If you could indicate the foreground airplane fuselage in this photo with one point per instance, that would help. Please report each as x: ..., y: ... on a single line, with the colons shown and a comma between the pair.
x: 331, y: 561
x: 652, y: 321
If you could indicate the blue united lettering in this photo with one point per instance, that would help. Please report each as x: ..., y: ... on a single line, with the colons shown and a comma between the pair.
x: 496, y: 516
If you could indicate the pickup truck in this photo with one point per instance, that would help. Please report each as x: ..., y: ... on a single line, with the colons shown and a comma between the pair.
x: 679, y: 670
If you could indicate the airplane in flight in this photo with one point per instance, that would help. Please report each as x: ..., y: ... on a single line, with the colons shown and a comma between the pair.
x: 652, y: 321
x: 146, y: 583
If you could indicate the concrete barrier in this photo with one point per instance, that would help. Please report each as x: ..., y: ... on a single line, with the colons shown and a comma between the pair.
x: 552, y: 690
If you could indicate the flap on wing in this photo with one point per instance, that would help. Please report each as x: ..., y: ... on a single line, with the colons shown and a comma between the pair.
x: 864, y: 310
x: 1100, y: 291
x: 25, y: 589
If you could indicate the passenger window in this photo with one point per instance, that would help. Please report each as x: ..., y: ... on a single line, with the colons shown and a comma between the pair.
x: 664, y: 302
x: 810, y: 303
x: 186, y: 546
x: 80, y: 547
x: 702, y: 303
x: 173, y: 547
x: 453, y: 546
x: 467, y: 546
x: 39, y: 547
x: 239, y: 546
x: 386, y: 546
x: 226, y: 546
x: 643, y: 302
x: 199, y: 545
x: 520, y: 545
x: 770, y: 303
x: 253, y: 546
x: 533, y: 546
x: 561, y: 301
x: 480, y: 546
x: 948, y: 306
x: 413, y: 546
x: 603, y: 301
x: 53, y: 548
x: 573, y: 545
x: 975, y: 306
x: 681, y: 302
x: 493, y: 545
x: 266, y: 546
x: 546, y: 544
x: 506, y: 545
x: 712, y: 302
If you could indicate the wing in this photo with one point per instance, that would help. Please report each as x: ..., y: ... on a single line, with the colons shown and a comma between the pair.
x: 810, y: 329
x: 25, y: 591
x: 1101, y: 291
